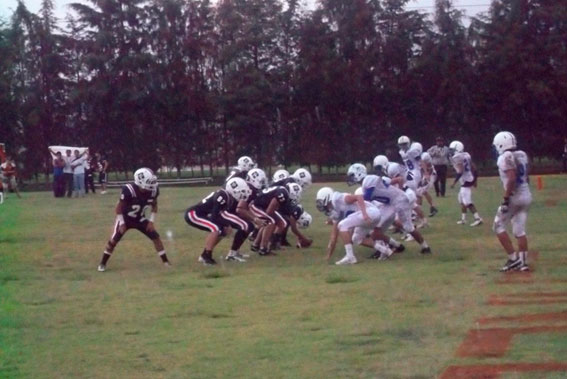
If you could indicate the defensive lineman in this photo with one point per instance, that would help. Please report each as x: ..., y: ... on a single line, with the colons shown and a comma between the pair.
x: 513, y: 170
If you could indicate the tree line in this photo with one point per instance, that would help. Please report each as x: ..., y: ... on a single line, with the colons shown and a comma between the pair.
x: 197, y: 83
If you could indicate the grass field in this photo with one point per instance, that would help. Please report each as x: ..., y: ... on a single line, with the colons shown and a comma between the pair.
x: 289, y: 316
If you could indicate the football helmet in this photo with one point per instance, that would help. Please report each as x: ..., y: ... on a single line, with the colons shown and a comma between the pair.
x: 302, y: 177
x: 380, y: 164
x: 395, y: 170
x: 323, y: 198
x: 426, y: 157
x: 245, y: 163
x: 280, y: 175
x: 238, y: 188
x: 404, y: 142
x: 304, y: 220
x: 504, y: 141
x: 257, y: 178
x: 417, y: 147
x: 294, y: 191
x: 456, y: 147
x: 145, y: 179
x: 356, y: 174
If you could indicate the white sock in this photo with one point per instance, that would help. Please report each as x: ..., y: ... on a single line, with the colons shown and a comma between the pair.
x: 524, y: 256
x: 513, y: 256
x: 393, y: 242
x: 476, y: 216
x: 380, y: 246
x: 231, y: 253
x: 107, y: 253
x: 349, y: 250
x: 424, y: 244
x: 160, y: 253
x: 463, y: 216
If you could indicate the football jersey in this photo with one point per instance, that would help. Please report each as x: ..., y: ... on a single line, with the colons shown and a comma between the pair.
x: 378, y: 188
x: 463, y: 159
x: 517, y: 161
x: 265, y: 197
x: 411, y: 159
x: 236, y: 173
x: 136, y: 202
x: 215, y: 203
x: 283, y: 182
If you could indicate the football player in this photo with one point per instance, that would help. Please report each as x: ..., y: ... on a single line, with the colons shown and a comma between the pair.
x: 266, y: 207
x: 411, y: 156
x: 243, y: 165
x: 428, y: 178
x: 466, y: 176
x: 513, y: 169
x: 135, y: 199
x: 281, y: 178
x: 214, y: 214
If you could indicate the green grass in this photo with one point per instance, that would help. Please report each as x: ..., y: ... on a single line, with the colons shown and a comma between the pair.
x: 294, y: 315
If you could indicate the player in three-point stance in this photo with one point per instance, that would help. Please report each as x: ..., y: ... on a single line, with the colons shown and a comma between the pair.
x: 466, y: 175
x: 135, y: 199
x: 513, y: 170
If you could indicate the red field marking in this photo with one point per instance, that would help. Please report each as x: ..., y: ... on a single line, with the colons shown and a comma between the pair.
x: 494, y: 342
x: 516, y: 278
x: 504, y: 300
x: 538, y: 294
x: 494, y: 371
x: 554, y: 316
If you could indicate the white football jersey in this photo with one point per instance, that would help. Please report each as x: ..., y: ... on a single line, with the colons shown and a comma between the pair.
x: 411, y: 160
x: 463, y: 159
x: 517, y: 161
x: 341, y: 209
x: 378, y: 188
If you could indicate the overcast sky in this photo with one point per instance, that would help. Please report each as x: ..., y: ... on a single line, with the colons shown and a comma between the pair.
x: 471, y: 7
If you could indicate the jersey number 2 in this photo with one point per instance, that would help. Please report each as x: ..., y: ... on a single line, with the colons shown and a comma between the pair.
x: 135, y: 212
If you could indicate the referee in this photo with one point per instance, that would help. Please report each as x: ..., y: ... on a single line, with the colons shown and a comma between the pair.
x: 440, y: 159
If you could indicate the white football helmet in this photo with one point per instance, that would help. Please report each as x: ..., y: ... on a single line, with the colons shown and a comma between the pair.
x: 145, y: 179
x: 456, y: 147
x: 294, y: 191
x: 304, y: 220
x: 417, y: 147
x: 280, y: 175
x: 356, y: 174
x: 245, y: 163
x: 504, y: 141
x: 426, y: 157
x: 404, y: 142
x: 302, y: 177
x: 323, y: 199
x: 257, y: 178
x: 359, y: 191
x: 395, y: 170
x: 381, y: 164
x: 238, y: 188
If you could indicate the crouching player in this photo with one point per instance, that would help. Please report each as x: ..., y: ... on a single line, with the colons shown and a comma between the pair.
x: 215, y: 214
x: 135, y: 199
x: 513, y: 169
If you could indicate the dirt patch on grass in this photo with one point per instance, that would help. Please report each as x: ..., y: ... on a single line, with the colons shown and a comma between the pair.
x: 554, y: 316
x: 532, y: 298
x: 494, y: 371
x: 551, y: 202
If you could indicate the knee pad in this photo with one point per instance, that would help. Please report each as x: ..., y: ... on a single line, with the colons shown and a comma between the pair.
x: 498, y: 226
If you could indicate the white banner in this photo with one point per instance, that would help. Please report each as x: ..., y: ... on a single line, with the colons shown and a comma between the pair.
x: 63, y: 149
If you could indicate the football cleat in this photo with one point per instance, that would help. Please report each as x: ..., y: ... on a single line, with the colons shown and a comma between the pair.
x: 386, y: 255
x: 375, y: 255
x: 426, y: 250
x: 524, y: 267
x: 101, y: 268
x: 399, y: 249
x: 433, y: 211
x: 167, y: 264
x: 511, y: 265
x: 346, y: 261
x: 265, y: 252
x: 477, y: 222
x: 235, y: 258
x: 241, y: 255
x: 285, y: 243
x: 461, y: 222
x: 207, y: 260
x: 255, y: 248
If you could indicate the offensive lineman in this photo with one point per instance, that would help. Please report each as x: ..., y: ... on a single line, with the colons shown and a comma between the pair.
x: 466, y: 175
x: 513, y: 170
x: 135, y: 199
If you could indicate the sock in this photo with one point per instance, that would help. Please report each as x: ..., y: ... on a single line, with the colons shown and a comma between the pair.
x: 476, y: 216
x: 424, y: 244
x: 394, y: 243
x: 231, y: 252
x: 238, y: 240
x: 349, y: 250
x: 524, y: 256
x: 513, y: 256
x: 163, y: 256
x: 463, y: 216
x: 105, y: 257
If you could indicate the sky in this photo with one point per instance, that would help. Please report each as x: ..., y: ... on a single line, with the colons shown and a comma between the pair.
x: 471, y: 7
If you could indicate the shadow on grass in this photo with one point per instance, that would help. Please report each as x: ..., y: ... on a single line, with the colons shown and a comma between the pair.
x: 335, y: 278
x: 215, y: 274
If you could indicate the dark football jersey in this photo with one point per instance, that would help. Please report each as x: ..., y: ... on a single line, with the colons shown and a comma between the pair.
x: 215, y: 203
x: 265, y: 197
x: 291, y: 209
x: 136, y: 202
x: 283, y: 182
x: 236, y: 173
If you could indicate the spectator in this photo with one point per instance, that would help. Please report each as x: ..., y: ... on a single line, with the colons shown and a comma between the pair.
x: 440, y: 158
x: 58, y: 176
x: 78, y: 166
x: 565, y: 155
x: 9, y: 175
x: 102, y: 174
x: 90, y: 167
x: 68, y: 172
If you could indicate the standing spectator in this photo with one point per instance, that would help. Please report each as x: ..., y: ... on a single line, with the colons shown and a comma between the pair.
x: 9, y: 175
x: 102, y: 174
x: 440, y: 158
x: 58, y: 176
x: 565, y: 155
x: 90, y: 167
x: 78, y: 166
x: 68, y: 172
